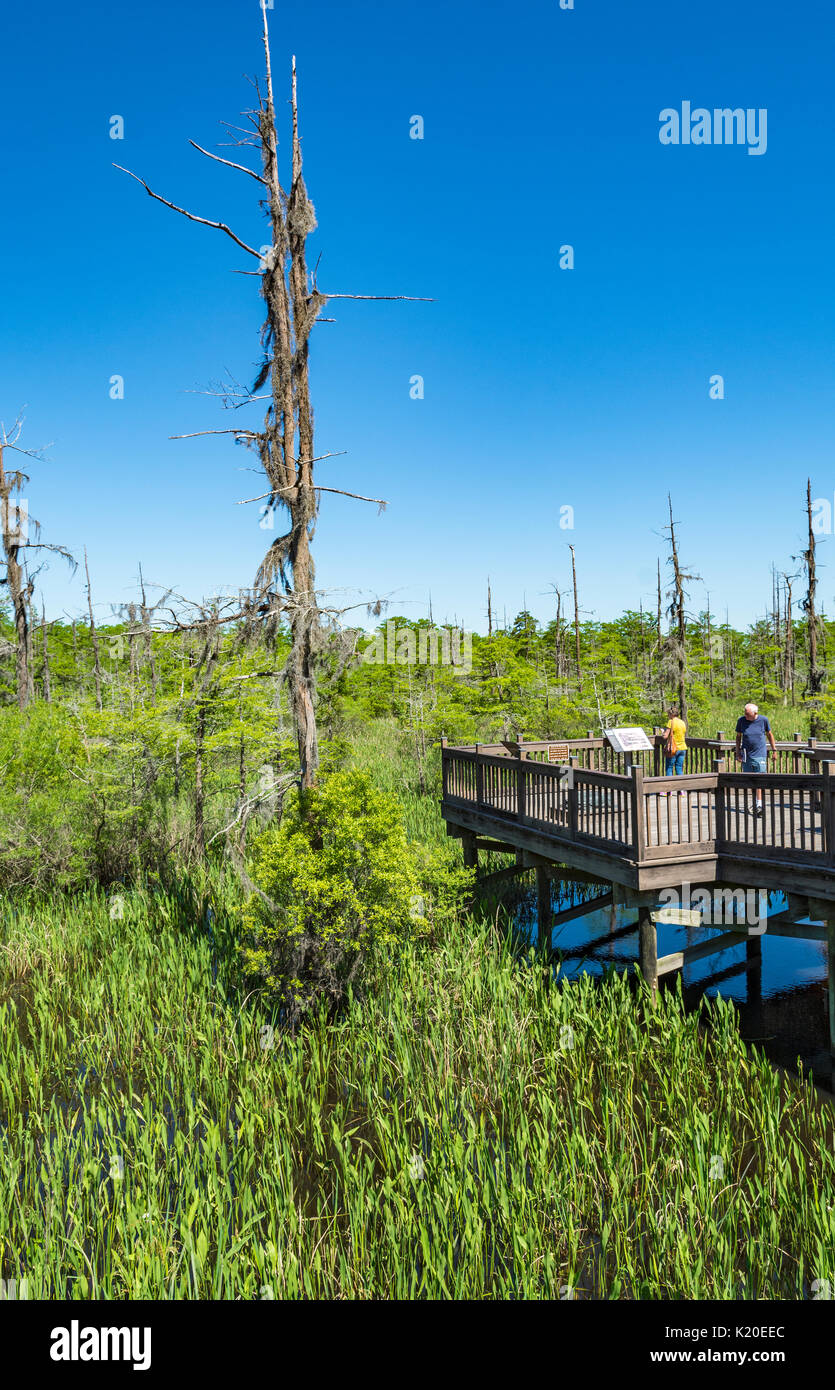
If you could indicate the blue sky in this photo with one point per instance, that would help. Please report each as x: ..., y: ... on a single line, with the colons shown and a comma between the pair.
x: 543, y: 387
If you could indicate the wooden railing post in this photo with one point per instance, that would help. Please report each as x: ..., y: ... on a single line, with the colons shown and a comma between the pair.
x: 479, y: 778
x: 572, y: 800
x: 719, y: 801
x: 636, y: 792
x: 521, y: 799
x: 656, y: 752
x: 828, y: 811
x: 796, y: 755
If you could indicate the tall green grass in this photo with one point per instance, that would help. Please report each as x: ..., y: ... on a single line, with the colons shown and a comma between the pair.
x: 473, y: 1131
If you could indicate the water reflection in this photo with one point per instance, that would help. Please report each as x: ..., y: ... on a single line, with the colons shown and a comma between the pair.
x: 777, y: 984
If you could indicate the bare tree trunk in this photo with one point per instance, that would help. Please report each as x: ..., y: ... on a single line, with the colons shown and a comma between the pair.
x: 678, y: 614
x: 19, y: 586
x: 788, y: 676
x: 132, y: 646
x: 47, y: 682
x: 489, y: 609
x: 199, y: 744
x: 814, y: 680
x: 93, y: 635
x: 660, y: 636
x: 558, y: 658
x: 678, y: 602
x: 145, y: 614
x: 241, y: 758
x: 576, y: 624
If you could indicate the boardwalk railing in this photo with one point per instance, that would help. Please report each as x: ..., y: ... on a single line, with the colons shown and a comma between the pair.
x: 651, y: 818
x: 598, y: 755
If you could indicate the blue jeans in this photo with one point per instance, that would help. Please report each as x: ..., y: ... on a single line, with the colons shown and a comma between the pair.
x: 674, y: 766
x: 754, y: 764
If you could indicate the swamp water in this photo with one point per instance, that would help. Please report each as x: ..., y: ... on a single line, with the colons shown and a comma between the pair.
x: 778, y: 985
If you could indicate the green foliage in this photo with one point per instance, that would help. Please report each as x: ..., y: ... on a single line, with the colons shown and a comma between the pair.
x: 184, y: 749
x: 337, y: 892
x: 467, y: 1131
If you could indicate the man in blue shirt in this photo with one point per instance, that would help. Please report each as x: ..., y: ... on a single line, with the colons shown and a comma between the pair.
x: 752, y: 730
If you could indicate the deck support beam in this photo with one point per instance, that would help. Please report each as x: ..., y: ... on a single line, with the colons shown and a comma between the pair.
x: 544, y: 915
x: 648, y: 951
x: 830, y: 931
x: 678, y: 959
x: 469, y: 849
x: 570, y: 914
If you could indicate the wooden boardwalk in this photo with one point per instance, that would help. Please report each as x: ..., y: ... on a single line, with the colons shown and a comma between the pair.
x: 579, y: 811
x: 647, y: 831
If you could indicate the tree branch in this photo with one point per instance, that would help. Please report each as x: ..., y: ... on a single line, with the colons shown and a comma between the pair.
x: 317, y: 487
x: 414, y: 298
x: 197, y: 433
x: 219, y: 226
x: 231, y: 163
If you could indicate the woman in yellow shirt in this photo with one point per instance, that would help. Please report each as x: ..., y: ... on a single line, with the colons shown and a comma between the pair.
x: 674, y: 760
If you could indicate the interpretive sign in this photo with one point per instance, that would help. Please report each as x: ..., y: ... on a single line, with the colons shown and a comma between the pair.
x: 628, y: 740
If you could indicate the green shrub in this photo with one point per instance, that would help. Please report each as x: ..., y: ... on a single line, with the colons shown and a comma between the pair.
x: 336, y: 892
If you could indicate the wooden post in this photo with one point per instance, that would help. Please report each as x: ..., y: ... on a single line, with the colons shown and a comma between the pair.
x: 649, y: 951
x: 543, y: 906
x: 468, y: 848
x: 796, y: 755
x: 572, y: 802
x: 828, y: 811
x: 636, y: 792
x: 521, y: 789
x: 479, y: 778
x: 719, y: 801
x: 753, y: 956
x: 830, y: 939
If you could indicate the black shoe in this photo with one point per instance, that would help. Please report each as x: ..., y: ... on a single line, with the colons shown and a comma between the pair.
x: 758, y: 810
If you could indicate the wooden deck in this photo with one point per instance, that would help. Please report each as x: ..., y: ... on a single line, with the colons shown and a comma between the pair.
x: 578, y: 810
x: 621, y: 821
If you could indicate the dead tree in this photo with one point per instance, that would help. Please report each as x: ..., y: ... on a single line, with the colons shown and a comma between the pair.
x: 659, y: 635
x: 16, y: 528
x: 94, y: 637
x: 146, y: 613
x: 284, y: 588
x: 576, y: 624
x: 46, y: 678
x: 678, y: 616
x: 789, y: 650
x: 815, y: 675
